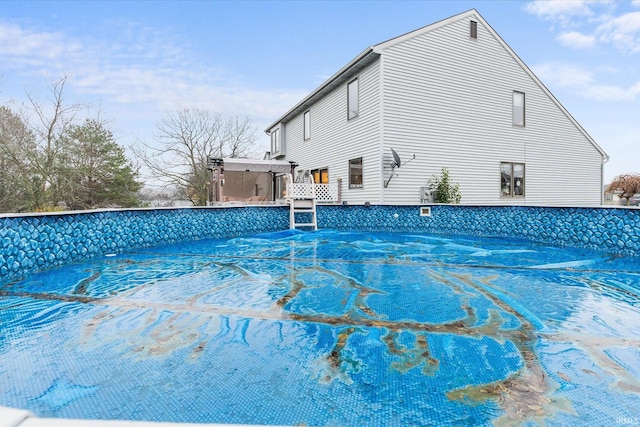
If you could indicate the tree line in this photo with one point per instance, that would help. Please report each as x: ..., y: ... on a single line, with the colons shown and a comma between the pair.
x: 52, y: 157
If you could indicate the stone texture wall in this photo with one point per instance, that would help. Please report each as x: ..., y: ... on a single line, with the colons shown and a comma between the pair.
x: 613, y: 230
x: 36, y: 242
x: 32, y: 243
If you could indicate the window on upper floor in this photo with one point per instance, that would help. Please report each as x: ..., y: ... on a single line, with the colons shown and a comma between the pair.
x: 353, y: 103
x: 275, y: 141
x: 307, y: 125
x: 473, y: 29
x: 511, y: 179
x: 518, y: 108
x: 355, y: 173
x: 320, y: 176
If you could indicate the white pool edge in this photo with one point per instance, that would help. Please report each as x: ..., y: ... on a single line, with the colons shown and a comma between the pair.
x: 12, y: 417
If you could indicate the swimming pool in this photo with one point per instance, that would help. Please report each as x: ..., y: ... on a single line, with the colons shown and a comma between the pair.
x: 329, y: 328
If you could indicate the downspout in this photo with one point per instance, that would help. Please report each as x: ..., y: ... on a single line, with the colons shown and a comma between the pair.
x: 602, y: 184
x: 605, y: 159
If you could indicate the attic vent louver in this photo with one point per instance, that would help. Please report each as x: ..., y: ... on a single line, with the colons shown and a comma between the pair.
x: 473, y: 29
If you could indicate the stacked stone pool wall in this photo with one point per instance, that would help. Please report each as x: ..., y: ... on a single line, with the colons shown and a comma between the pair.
x: 611, y: 230
x: 36, y: 242
x: 39, y: 241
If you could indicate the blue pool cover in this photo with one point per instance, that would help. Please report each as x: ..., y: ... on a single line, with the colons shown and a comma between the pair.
x: 329, y: 328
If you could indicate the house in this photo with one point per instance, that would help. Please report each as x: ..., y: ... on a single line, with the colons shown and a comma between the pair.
x: 612, y: 198
x: 455, y: 95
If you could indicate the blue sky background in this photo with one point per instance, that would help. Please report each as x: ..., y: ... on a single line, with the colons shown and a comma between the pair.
x: 134, y: 61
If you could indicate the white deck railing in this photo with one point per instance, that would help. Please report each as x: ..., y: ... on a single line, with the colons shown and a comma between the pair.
x: 323, y: 193
x: 327, y: 193
x: 301, y: 190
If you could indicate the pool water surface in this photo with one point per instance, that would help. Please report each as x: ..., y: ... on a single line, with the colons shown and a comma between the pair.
x: 329, y: 328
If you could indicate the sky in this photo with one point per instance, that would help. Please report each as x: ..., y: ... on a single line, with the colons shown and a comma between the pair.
x: 135, y: 61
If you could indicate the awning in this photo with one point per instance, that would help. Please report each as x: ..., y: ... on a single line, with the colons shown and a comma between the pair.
x: 253, y: 165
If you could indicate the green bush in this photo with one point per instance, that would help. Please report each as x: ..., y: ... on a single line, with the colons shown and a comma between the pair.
x: 445, y: 191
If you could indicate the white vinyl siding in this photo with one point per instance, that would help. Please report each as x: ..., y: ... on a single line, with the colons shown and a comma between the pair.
x: 448, y: 99
x: 335, y: 140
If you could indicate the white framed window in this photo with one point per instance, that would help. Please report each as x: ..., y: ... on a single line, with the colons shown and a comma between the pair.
x: 307, y: 124
x: 518, y: 108
x: 275, y: 141
x: 512, y: 179
x: 355, y: 173
x: 353, y: 102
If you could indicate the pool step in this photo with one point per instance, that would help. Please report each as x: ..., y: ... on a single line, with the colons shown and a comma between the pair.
x: 307, y: 206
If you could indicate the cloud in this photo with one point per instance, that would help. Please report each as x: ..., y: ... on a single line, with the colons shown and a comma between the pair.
x: 552, y: 9
x: 564, y: 75
x: 577, y: 40
x: 21, y: 48
x: 583, y: 82
x: 137, y: 74
x: 611, y: 93
x: 622, y: 31
x: 600, y: 21
x: 559, y: 11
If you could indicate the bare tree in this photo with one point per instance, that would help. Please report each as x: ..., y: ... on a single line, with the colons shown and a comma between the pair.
x: 627, y: 185
x: 53, y: 121
x: 184, y: 142
x: 240, y: 136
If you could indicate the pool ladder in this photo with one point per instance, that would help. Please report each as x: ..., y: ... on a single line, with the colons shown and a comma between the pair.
x: 301, y: 196
x: 307, y: 206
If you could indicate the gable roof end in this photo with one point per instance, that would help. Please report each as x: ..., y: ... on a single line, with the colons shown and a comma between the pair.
x: 380, y: 47
x: 373, y: 53
x: 428, y: 28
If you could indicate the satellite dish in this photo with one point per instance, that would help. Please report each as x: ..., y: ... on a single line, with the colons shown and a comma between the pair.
x: 396, y: 163
x: 396, y: 159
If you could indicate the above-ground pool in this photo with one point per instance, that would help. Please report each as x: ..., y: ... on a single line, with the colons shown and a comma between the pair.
x: 329, y: 328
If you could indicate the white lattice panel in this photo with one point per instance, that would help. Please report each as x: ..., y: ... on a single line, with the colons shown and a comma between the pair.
x: 326, y: 193
x: 301, y: 191
x: 323, y: 193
